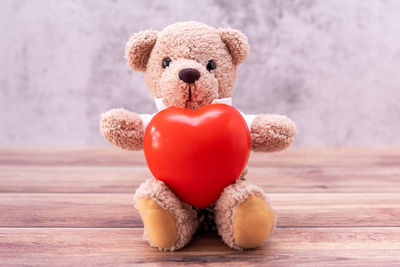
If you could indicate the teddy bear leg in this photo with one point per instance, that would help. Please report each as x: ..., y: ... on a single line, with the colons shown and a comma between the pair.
x: 169, y: 224
x: 243, y: 216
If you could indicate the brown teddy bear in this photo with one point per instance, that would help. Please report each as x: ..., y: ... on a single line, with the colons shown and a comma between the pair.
x: 191, y: 65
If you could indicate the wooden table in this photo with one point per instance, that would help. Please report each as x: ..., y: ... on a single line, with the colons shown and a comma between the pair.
x: 74, y: 206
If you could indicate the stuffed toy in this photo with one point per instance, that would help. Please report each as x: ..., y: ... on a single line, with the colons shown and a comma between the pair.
x: 197, y: 145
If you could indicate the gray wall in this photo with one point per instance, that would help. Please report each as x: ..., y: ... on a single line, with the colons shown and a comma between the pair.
x: 332, y: 66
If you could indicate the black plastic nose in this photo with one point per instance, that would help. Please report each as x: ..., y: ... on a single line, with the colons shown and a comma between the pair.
x: 189, y: 75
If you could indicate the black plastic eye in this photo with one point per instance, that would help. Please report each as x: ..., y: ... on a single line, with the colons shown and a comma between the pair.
x: 211, y: 65
x: 166, y: 62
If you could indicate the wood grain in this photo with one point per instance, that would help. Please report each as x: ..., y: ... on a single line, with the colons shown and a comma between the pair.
x: 74, y: 206
x: 124, y: 179
x: 116, y: 210
x: 116, y: 246
x: 293, y: 157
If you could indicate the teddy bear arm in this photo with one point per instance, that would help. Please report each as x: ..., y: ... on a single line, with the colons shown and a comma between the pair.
x: 271, y: 132
x: 122, y: 128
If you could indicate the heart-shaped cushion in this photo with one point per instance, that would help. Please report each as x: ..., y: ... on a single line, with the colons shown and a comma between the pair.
x: 197, y: 153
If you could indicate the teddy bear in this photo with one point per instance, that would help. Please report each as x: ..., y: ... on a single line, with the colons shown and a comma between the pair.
x: 191, y: 65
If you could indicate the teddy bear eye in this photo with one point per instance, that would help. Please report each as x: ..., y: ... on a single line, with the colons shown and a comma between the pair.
x: 211, y: 65
x: 165, y: 62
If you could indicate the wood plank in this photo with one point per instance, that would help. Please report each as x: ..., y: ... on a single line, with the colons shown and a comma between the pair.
x: 296, y: 156
x: 328, y: 157
x: 116, y: 210
x: 288, y: 246
x: 337, y: 206
x: 48, y: 156
x: 327, y: 180
x: 68, y: 210
x: 125, y: 179
x: 66, y: 179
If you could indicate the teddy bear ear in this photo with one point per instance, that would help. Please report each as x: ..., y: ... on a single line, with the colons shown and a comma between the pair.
x: 237, y: 44
x: 138, y: 49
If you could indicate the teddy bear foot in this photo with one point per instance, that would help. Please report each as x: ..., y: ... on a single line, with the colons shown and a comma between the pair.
x: 253, y: 222
x: 159, y: 223
x: 169, y: 224
x: 243, y: 216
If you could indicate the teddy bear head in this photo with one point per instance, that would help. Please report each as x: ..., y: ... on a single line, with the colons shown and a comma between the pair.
x: 188, y: 64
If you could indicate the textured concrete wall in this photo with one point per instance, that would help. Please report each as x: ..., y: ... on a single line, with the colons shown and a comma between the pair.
x: 332, y: 66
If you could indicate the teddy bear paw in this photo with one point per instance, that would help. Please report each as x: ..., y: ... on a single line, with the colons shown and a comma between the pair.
x: 122, y: 128
x: 270, y: 133
x: 159, y: 224
x: 243, y: 216
x: 169, y: 224
x: 253, y: 222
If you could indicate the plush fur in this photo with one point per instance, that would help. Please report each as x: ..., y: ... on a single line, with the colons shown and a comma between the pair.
x: 242, y: 211
x: 237, y: 44
x: 138, y: 49
x: 233, y: 196
x: 270, y: 133
x: 192, y: 44
x: 122, y: 128
x: 185, y: 217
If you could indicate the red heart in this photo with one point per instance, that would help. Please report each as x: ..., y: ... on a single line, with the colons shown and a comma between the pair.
x: 197, y: 153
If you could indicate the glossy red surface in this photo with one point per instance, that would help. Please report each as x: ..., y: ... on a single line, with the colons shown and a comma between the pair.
x: 197, y: 153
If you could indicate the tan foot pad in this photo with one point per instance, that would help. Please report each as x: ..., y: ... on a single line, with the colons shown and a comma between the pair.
x: 253, y: 223
x: 159, y: 223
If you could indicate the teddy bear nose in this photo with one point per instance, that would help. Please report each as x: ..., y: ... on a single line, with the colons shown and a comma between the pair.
x: 189, y: 75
